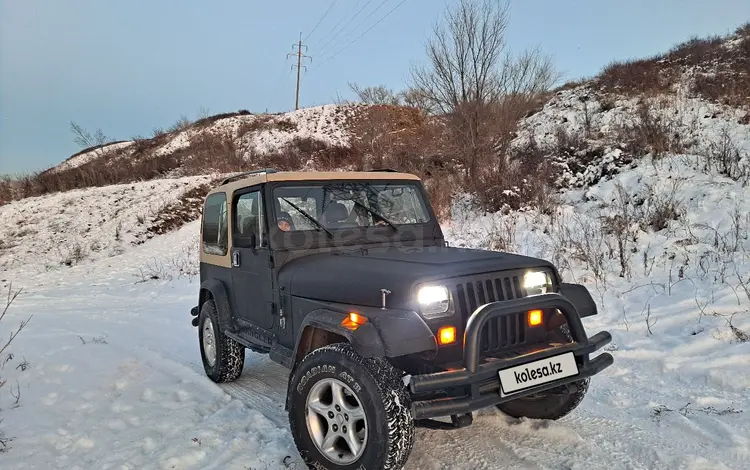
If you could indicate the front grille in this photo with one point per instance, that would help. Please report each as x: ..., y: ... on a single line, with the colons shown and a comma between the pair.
x: 499, y: 333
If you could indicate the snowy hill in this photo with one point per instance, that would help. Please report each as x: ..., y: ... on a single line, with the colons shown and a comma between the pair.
x: 251, y: 132
x: 650, y: 210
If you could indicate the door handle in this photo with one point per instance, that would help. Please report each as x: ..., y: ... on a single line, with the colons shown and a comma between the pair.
x: 235, y: 258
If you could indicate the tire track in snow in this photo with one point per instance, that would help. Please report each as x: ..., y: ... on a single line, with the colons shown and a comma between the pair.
x: 492, y: 438
x: 262, y: 386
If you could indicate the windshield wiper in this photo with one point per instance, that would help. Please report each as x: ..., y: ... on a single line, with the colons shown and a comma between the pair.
x: 376, y: 214
x: 308, y: 217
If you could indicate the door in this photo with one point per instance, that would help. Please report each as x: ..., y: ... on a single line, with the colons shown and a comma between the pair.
x: 251, y: 261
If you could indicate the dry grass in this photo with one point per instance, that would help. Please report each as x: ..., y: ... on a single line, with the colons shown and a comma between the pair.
x: 186, y: 209
x: 722, y: 74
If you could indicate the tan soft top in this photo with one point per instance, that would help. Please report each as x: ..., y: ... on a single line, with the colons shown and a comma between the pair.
x: 242, y: 181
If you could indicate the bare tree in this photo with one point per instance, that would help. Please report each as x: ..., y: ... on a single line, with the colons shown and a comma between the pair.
x: 414, y: 98
x: 375, y: 94
x: 472, y: 78
x: 85, y: 139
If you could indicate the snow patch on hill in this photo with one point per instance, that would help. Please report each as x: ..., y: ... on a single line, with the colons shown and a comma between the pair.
x: 323, y: 123
x: 596, y: 127
x: 101, y: 152
x: 47, y: 232
x: 261, y: 133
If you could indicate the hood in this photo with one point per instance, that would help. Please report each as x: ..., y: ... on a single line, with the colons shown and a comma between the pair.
x: 357, y: 276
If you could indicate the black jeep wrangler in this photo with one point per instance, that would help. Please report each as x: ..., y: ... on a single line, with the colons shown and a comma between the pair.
x: 345, y: 278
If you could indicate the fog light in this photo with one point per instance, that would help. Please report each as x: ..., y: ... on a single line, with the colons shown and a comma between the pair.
x: 353, y: 321
x: 447, y: 335
x: 535, y: 317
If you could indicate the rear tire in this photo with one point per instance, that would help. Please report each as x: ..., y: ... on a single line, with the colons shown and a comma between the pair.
x: 223, y: 358
x: 334, y: 387
x: 548, y: 405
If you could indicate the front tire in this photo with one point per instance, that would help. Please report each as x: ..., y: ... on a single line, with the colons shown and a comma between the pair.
x: 349, y: 412
x: 223, y: 358
x: 550, y: 404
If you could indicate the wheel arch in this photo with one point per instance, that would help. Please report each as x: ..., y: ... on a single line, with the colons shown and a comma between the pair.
x: 322, y: 327
x: 214, y: 289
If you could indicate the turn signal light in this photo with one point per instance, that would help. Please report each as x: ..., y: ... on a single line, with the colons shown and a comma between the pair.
x: 447, y: 335
x: 535, y: 317
x: 353, y: 321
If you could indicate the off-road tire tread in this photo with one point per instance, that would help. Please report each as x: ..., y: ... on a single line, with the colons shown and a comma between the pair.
x: 230, y: 355
x: 396, y: 401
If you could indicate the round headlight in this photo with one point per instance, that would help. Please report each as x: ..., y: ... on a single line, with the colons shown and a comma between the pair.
x: 433, y: 300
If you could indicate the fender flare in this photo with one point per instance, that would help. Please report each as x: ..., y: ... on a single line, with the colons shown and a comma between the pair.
x: 580, y: 297
x: 218, y: 292
x: 365, y: 339
x: 388, y: 333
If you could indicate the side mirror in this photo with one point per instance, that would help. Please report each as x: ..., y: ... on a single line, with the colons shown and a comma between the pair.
x: 250, y: 241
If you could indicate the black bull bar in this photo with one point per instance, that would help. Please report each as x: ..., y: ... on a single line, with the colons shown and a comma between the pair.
x: 481, y: 381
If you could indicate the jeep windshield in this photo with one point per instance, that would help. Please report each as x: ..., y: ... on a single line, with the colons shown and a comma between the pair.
x: 341, y: 205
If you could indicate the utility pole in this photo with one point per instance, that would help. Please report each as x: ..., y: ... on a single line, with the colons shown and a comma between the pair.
x: 299, y: 65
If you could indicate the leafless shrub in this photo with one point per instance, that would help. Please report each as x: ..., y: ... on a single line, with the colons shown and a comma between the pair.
x: 118, y: 231
x: 12, y: 295
x: 182, y: 124
x: 413, y: 98
x: 641, y: 75
x: 725, y: 156
x: 186, y: 208
x: 286, y: 125
x: 740, y: 336
x: 375, y: 94
x: 651, y: 132
x: 621, y: 223
x: 178, y: 266
x: 205, y: 121
x: 657, y: 210
x: 724, y: 79
x: 157, y: 132
x: 260, y: 123
x: 501, y: 235
x: 102, y: 339
x: 72, y: 255
x: 580, y: 239
x: 649, y: 321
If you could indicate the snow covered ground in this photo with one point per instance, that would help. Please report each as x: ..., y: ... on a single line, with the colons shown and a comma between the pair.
x: 112, y: 376
x: 40, y: 233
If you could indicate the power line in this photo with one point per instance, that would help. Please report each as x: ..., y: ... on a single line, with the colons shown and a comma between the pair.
x: 346, y: 25
x: 320, y: 20
x: 360, y: 36
x: 354, y: 7
x: 358, y: 26
x: 278, y: 85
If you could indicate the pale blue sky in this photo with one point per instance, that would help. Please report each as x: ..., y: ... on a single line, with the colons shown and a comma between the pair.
x: 129, y: 66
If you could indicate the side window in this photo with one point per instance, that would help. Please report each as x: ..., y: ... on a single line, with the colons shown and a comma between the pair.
x: 215, y: 225
x: 247, y: 216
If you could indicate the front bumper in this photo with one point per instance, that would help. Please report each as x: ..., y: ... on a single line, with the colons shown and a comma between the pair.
x: 479, y: 384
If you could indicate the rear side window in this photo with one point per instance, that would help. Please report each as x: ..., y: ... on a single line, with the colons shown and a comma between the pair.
x: 215, y: 225
x: 248, y: 216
